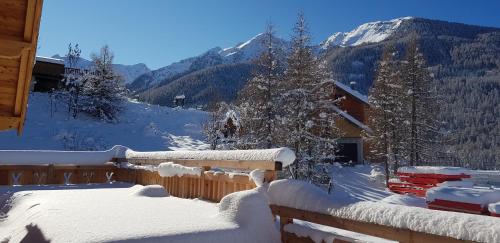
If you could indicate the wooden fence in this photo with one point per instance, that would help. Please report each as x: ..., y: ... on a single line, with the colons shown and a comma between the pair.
x: 210, y: 185
x: 391, y: 233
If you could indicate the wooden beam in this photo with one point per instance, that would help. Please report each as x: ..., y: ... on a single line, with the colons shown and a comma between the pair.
x: 383, y: 231
x: 233, y: 164
x: 11, y: 49
x: 7, y: 123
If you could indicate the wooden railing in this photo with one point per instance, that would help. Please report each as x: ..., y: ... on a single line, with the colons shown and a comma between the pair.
x: 287, y: 215
x: 210, y: 185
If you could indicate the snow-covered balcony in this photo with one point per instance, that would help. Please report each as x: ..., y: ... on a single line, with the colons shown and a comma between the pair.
x: 209, y: 196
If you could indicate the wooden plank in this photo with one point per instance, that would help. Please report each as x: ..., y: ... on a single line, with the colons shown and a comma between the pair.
x: 21, y: 83
x: 7, y: 123
x: 233, y: 164
x: 10, y: 49
x: 387, y: 232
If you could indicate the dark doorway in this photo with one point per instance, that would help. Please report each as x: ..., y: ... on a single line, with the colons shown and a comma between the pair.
x: 347, y: 152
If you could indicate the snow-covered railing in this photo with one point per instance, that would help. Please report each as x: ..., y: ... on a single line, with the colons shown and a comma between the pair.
x: 264, y: 159
x: 188, y: 174
x: 298, y: 200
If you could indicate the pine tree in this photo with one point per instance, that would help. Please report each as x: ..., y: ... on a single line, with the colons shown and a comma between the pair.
x: 385, y: 114
x: 73, y: 80
x: 257, y: 101
x: 420, y: 106
x: 103, y: 88
x: 305, y: 105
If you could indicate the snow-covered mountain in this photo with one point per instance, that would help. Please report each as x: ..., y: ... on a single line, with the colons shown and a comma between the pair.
x: 128, y: 72
x: 240, y: 53
x: 365, y: 33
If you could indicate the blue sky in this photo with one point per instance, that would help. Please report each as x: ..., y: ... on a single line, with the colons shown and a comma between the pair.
x: 159, y: 32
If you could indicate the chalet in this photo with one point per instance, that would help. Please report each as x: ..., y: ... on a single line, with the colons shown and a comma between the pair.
x: 19, y: 27
x: 352, y: 110
x: 179, y: 100
x: 47, y: 74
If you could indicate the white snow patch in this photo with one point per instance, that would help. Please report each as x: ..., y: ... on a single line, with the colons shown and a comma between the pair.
x: 315, y: 235
x: 407, y: 200
x: 110, y: 213
x: 301, y: 195
x: 354, y: 93
x: 481, y: 196
x: 494, y: 207
x: 457, y: 225
x: 170, y: 169
x: 442, y: 170
x: 464, y: 184
x: 257, y: 177
x: 149, y: 191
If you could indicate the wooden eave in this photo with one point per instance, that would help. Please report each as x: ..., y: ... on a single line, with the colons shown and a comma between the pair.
x: 19, y: 29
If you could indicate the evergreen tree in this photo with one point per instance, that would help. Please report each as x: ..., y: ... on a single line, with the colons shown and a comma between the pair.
x: 420, y: 106
x: 257, y: 101
x: 73, y: 79
x: 385, y: 114
x: 305, y: 103
x: 103, y: 88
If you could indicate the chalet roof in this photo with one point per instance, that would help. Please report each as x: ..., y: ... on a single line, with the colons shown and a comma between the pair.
x: 352, y: 92
x: 352, y: 119
x: 19, y: 27
x: 50, y: 60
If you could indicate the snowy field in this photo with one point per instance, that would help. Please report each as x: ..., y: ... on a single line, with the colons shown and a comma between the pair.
x: 141, y: 127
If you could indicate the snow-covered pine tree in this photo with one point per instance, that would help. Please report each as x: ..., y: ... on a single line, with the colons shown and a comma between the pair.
x: 420, y: 106
x: 73, y: 80
x: 258, y: 100
x: 385, y: 116
x: 304, y: 105
x: 103, y: 88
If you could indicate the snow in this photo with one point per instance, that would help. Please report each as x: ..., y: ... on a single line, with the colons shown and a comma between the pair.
x: 352, y: 119
x: 317, y: 236
x: 407, y: 200
x: 50, y: 60
x: 149, y: 191
x: 494, y: 207
x: 283, y: 155
x: 486, y: 177
x: 104, y: 213
x: 465, y: 184
x: 481, y: 196
x: 442, y: 170
x: 40, y: 157
x: 457, y: 225
x: 354, y: 93
x: 169, y: 169
x: 257, y: 177
x: 301, y: 195
x: 140, y: 127
x: 365, y: 33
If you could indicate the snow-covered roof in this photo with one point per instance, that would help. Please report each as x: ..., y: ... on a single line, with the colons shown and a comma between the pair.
x: 352, y: 119
x: 352, y: 92
x: 50, y: 60
x: 180, y: 97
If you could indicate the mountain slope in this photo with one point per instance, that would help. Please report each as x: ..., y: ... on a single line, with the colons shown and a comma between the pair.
x: 220, y: 82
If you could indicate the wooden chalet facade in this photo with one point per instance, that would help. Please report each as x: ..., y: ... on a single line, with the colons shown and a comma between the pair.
x: 19, y: 27
x: 351, y: 122
x: 48, y: 74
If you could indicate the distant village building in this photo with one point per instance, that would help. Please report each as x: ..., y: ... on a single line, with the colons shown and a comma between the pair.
x: 352, y: 110
x: 179, y: 100
x: 48, y: 74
